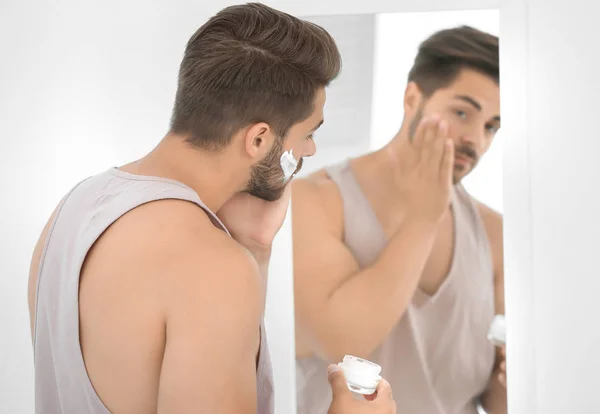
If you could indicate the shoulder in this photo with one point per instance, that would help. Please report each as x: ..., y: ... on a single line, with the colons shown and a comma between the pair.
x: 318, y: 198
x: 492, y: 220
x: 173, y: 246
x: 318, y: 186
x: 493, y: 223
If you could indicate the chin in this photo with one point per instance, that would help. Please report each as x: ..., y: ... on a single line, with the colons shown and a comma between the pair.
x: 457, y: 179
x: 459, y: 174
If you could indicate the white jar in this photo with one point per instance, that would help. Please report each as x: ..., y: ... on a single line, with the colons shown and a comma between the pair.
x: 362, y: 376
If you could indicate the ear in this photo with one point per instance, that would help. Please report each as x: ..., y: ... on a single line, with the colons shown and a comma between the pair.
x: 412, y: 98
x: 258, y: 139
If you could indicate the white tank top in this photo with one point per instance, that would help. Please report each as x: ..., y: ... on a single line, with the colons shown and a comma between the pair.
x: 437, y: 358
x: 61, y: 381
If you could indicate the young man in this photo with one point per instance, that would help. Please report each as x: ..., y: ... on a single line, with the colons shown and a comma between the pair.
x: 394, y: 261
x: 140, y: 300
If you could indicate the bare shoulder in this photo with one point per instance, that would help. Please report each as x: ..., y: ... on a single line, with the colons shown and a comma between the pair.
x: 179, y: 249
x: 491, y: 219
x: 211, y: 295
x: 317, y: 197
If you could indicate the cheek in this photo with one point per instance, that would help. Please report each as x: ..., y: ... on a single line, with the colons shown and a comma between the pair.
x: 455, y: 128
x: 298, y: 147
x: 291, y: 144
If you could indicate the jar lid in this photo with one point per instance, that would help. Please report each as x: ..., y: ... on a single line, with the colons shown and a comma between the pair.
x: 362, y: 376
x: 497, y: 333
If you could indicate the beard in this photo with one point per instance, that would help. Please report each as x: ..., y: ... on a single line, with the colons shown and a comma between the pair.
x: 465, y: 150
x: 267, y: 180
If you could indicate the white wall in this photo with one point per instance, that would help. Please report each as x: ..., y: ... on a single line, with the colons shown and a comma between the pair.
x: 550, y: 107
x: 83, y: 87
x: 398, y: 36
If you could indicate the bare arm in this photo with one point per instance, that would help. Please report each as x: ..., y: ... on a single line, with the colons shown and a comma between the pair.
x: 493, y: 399
x: 339, y: 308
x: 212, y: 324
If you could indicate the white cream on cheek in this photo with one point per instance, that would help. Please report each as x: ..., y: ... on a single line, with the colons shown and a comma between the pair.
x: 288, y: 164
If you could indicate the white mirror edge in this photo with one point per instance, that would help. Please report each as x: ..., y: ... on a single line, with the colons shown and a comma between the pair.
x: 518, y: 213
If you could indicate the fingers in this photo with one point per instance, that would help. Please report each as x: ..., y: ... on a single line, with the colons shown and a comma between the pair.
x: 418, y: 139
x: 429, y: 139
x: 430, y: 133
x: 502, y: 379
x: 434, y: 148
x: 337, y: 380
x: 370, y: 397
x: 384, y: 391
x: 447, y: 162
x: 502, y: 373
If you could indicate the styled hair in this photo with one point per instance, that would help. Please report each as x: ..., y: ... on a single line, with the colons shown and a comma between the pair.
x: 248, y: 64
x: 443, y: 55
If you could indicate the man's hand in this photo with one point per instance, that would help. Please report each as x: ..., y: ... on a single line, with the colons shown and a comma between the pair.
x: 422, y: 170
x: 502, y: 367
x: 493, y: 399
x: 382, y: 402
x: 254, y: 222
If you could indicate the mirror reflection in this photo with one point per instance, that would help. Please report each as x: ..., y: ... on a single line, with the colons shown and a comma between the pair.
x: 397, y: 233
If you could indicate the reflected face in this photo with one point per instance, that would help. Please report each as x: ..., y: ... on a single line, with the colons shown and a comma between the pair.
x: 267, y: 179
x: 471, y: 106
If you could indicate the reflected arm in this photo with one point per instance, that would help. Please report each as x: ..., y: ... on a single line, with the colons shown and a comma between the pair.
x: 494, y: 399
x: 340, y: 307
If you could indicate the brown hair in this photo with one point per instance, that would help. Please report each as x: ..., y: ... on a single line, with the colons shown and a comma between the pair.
x: 248, y: 64
x: 442, y: 56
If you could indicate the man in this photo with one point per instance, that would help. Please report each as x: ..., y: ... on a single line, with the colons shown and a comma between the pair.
x: 394, y: 261
x: 140, y: 300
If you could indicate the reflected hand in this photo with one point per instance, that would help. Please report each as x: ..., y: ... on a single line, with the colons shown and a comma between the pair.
x: 502, y: 367
x: 382, y: 402
x: 423, y: 169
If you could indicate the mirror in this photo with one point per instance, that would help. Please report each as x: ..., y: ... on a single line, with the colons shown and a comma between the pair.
x: 372, y: 278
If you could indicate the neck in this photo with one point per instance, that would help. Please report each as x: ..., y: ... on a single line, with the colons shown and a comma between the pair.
x: 380, y: 157
x: 380, y: 160
x: 401, y: 137
x: 209, y: 174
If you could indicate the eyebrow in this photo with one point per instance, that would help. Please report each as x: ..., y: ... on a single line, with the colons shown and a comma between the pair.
x: 318, y: 125
x: 474, y: 103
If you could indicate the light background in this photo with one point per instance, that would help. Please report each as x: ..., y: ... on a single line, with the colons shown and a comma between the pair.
x: 85, y: 85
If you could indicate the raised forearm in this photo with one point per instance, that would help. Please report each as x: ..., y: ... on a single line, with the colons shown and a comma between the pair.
x: 260, y: 252
x: 263, y: 259
x: 364, y: 309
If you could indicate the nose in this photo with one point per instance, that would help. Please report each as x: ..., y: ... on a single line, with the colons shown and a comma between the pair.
x: 473, y: 136
x: 310, y: 149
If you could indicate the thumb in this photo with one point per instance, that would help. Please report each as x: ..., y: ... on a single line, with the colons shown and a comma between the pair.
x: 384, y: 390
x: 337, y: 380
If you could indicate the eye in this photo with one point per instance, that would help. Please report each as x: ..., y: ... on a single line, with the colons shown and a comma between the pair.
x: 492, y: 128
x: 461, y: 114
